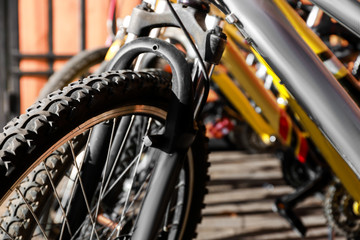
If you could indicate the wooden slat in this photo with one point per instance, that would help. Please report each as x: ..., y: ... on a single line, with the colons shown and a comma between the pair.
x: 242, y: 190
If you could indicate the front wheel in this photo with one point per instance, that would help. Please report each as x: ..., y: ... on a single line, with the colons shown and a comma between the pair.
x: 48, y: 172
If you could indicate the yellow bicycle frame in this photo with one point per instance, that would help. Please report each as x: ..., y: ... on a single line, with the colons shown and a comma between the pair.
x: 336, y: 162
x: 238, y: 68
x: 273, y: 121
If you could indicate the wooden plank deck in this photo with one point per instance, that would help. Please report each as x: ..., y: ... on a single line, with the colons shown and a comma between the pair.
x: 241, y: 194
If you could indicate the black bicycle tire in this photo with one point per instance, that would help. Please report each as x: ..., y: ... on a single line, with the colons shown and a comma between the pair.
x: 73, y: 69
x: 63, y: 110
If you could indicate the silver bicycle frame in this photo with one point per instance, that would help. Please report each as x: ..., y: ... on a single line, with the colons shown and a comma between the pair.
x: 346, y: 12
x: 302, y: 72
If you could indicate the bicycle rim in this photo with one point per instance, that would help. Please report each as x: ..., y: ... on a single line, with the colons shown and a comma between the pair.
x: 45, y: 203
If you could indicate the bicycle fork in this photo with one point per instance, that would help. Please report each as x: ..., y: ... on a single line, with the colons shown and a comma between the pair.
x: 171, y: 147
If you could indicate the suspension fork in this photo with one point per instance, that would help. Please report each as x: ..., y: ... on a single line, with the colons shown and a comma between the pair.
x: 157, y: 196
x: 179, y: 134
x: 180, y: 130
x: 172, y: 146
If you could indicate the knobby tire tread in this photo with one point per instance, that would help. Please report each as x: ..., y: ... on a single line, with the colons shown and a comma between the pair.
x: 44, y: 123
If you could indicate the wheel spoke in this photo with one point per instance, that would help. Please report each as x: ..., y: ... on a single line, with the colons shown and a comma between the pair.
x: 121, y: 176
x: 119, y: 153
x: 135, y: 198
x: 103, y: 178
x: 112, y: 186
x: 104, y: 194
x: 73, y: 183
x: 2, y: 229
x: 82, y: 187
x: 57, y: 198
x: 138, y: 194
x: 32, y: 212
x: 165, y: 227
x: 118, y: 227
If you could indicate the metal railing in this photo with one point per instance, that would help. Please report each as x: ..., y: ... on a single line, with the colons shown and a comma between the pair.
x: 10, y: 56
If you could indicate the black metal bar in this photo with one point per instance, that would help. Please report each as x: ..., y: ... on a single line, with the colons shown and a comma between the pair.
x: 3, y: 62
x: 50, y: 36
x: 41, y: 56
x: 18, y: 73
x: 285, y: 204
x: 13, y: 81
x: 82, y: 25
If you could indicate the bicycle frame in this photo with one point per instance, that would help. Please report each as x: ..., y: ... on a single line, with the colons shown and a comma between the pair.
x: 268, y: 104
x: 344, y: 11
x: 307, y: 79
x: 333, y: 125
x: 344, y: 77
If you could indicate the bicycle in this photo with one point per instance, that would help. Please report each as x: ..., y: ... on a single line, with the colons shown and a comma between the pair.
x: 187, y: 190
x: 301, y: 148
x: 105, y: 86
